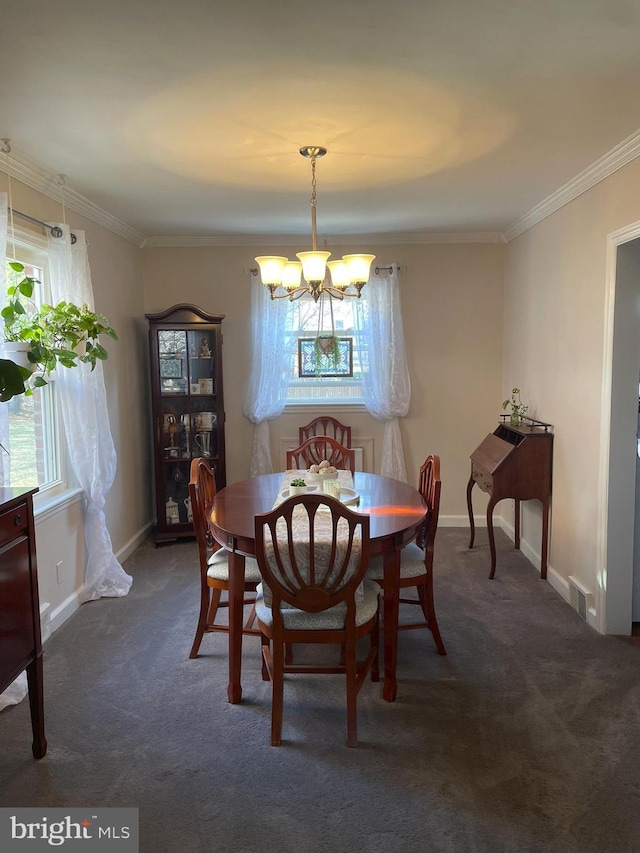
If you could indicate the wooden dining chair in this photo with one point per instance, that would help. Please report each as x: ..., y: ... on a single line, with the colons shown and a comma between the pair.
x: 313, y: 553
x: 326, y: 426
x: 214, y: 566
x: 315, y: 449
x: 416, y: 559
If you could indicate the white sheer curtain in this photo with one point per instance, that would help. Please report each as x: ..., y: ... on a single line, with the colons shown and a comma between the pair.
x: 270, y: 366
x: 385, y: 385
x: 83, y: 403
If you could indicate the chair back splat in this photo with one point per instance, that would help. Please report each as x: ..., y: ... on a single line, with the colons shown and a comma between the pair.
x: 326, y: 426
x: 315, y: 450
x: 313, y: 553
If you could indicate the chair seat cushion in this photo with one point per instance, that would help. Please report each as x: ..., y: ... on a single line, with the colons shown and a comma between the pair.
x: 411, y: 564
x: 327, y: 620
x: 219, y: 567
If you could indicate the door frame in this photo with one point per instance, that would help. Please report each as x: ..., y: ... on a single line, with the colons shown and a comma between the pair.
x: 614, y: 564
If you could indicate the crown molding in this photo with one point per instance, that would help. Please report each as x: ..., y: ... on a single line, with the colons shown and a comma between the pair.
x: 609, y: 163
x: 36, y: 178
x: 416, y: 238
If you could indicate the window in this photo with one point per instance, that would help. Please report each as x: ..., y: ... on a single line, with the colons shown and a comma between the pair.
x: 35, y: 455
x: 324, y: 381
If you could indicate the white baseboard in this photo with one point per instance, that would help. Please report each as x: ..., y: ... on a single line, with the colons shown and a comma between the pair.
x: 45, y: 620
x: 463, y: 521
x: 64, y: 611
x: 560, y: 584
x: 51, y: 620
x: 136, y: 540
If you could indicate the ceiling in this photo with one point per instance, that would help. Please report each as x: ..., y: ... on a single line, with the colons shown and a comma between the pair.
x: 447, y: 116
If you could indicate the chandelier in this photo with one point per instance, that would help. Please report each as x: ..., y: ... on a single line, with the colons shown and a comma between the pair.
x: 348, y: 276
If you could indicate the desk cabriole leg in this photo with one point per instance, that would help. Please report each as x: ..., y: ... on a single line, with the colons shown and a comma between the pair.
x: 492, y: 540
x: 545, y: 539
x: 472, y: 525
x: 236, y: 614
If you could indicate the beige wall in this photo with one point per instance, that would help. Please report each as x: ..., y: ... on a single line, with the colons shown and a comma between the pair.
x: 452, y: 311
x: 555, y: 287
x: 115, y: 267
x: 478, y: 319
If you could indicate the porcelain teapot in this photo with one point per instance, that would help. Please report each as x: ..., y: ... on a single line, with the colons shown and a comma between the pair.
x: 171, y: 508
x: 187, y: 503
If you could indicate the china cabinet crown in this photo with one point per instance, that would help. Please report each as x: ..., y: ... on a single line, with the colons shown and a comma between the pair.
x: 188, y: 409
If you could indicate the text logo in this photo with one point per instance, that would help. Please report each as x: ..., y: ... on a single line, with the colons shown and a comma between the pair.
x: 100, y: 829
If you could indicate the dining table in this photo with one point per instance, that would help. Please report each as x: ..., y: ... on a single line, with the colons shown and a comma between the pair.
x: 396, y: 512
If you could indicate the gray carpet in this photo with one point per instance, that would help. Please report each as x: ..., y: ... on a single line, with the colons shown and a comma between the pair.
x: 524, y: 738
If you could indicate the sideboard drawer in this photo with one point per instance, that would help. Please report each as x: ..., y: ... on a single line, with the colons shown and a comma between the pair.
x: 13, y: 523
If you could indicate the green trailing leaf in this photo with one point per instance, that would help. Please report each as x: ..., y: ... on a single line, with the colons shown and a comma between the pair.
x: 26, y: 287
x: 54, y: 333
x: 11, y: 380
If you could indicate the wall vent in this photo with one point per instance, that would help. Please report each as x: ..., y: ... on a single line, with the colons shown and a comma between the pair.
x: 580, y: 598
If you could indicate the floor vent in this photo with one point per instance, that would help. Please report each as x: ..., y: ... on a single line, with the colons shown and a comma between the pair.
x: 580, y: 597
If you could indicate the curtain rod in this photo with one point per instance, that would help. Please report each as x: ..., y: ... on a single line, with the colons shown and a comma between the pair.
x: 55, y: 230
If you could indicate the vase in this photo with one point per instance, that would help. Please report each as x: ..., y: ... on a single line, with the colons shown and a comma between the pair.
x: 18, y: 353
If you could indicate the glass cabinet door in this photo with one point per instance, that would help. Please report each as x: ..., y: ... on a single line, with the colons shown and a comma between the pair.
x: 187, y: 408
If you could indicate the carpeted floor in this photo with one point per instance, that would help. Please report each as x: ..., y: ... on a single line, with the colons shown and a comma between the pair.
x: 526, y: 737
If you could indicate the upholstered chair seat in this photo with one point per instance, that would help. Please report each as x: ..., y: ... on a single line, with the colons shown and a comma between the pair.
x: 327, y: 620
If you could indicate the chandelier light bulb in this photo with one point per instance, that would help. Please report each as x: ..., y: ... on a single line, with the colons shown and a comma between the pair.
x: 291, y: 275
x: 339, y: 274
x: 314, y: 265
x: 359, y: 266
x: 271, y: 268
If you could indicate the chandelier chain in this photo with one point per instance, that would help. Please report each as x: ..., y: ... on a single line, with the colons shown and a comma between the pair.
x: 314, y: 237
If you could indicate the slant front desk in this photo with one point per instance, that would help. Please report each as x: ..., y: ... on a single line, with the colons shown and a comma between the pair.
x: 514, y: 462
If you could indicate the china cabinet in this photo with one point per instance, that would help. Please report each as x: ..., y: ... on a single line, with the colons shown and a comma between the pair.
x: 188, y: 409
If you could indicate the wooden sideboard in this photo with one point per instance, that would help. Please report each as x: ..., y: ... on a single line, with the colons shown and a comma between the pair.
x: 514, y: 462
x: 20, y: 643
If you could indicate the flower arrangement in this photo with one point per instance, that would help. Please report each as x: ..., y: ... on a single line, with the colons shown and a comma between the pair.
x: 518, y: 410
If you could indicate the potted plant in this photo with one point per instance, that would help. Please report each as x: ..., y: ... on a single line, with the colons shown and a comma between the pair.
x: 518, y: 410
x: 326, y: 352
x: 297, y: 487
x: 63, y: 334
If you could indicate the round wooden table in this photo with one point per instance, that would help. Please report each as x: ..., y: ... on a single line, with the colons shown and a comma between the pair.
x: 396, y: 510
